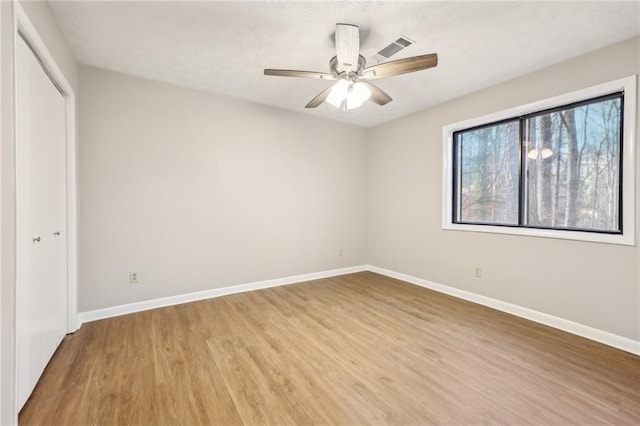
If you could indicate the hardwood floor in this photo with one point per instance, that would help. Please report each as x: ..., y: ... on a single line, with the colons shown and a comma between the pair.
x: 350, y: 350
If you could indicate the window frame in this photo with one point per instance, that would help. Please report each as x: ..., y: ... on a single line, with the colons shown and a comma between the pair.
x: 627, y: 200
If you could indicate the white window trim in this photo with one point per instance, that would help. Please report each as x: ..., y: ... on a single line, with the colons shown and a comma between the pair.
x: 628, y: 237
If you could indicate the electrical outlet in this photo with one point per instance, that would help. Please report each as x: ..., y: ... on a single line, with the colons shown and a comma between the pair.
x: 133, y: 277
x: 340, y: 253
x: 477, y: 272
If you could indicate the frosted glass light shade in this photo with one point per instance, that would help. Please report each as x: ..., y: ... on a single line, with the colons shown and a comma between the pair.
x: 338, y: 93
x: 358, y: 95
x: 355, y: 94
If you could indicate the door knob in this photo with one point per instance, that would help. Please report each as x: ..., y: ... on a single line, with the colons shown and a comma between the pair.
x: 36, y: 240
x: 56, y: 233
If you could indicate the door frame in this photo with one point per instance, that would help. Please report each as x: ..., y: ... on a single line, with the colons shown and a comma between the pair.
x: 23, y: 27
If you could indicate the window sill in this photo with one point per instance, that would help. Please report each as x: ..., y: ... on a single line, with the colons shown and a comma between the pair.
x: 619, y: 239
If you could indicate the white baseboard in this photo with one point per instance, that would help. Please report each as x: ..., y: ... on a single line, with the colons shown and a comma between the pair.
x: 610, y: 339
x: 145, y: 305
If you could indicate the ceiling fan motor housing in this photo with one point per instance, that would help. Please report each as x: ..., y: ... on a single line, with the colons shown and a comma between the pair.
x: 352, y: 75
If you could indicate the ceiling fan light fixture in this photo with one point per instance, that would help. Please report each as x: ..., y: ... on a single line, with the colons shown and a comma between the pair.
x: 348, y: 67
x: 354, y: 94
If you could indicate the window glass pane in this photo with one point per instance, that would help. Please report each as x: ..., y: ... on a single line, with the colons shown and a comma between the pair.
x: 573, y: 167
x: 488, y: 174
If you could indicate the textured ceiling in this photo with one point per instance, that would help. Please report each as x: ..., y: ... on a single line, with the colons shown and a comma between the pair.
x: 223, y: 47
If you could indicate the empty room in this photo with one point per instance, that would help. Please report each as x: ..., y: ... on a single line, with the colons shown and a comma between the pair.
x: 319, y: 212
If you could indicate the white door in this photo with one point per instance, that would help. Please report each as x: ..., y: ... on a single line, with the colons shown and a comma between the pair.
x: 41, y: 291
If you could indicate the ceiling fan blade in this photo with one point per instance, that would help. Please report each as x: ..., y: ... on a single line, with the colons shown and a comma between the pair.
x: 322, y: 96
x: 347, y: 46
x: 302, y: 74
x: 401, y: 66
x: 378, y: 96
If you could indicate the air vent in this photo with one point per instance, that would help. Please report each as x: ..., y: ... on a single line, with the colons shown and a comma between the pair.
x: 401, y: 43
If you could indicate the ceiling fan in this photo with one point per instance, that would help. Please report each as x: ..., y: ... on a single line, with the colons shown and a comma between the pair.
x: 348, y: 68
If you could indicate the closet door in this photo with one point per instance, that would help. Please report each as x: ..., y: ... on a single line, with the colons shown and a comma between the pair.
x: 41, y: 291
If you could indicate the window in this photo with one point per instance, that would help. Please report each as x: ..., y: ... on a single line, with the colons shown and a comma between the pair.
x: 555, y: 168
x: 488, y: 162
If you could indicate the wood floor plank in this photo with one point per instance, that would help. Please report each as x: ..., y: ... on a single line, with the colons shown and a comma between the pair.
x: 355, y: 349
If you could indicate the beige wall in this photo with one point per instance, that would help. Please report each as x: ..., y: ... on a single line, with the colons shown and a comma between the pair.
x: 593, y: 284
x: 196, y: 191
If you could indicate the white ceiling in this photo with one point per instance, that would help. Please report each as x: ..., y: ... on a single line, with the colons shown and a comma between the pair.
x: 223, y: 47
